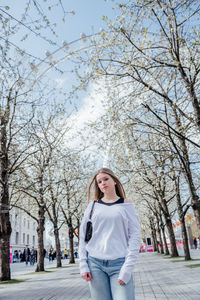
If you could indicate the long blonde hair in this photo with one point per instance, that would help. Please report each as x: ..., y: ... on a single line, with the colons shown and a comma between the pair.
x: 98, y: 194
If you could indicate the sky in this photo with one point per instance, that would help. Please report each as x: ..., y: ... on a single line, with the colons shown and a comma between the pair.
x: 83, y: 16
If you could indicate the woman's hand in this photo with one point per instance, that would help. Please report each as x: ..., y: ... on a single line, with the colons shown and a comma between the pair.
x: 121, y: 282
x: 87, y: 276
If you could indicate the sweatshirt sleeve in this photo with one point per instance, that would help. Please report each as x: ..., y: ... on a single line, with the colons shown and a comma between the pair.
x: 133, y: 245
x: 82, y: 244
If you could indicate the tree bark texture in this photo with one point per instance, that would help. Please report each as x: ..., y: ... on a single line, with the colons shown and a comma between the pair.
x: 5, y: 225
x: 174, y: 251
x: 5, y: 232
x: 182, y: 221
x: 165, y: 240
x: 154, y: 237
x: 159, y: 235
x: 71, y: 245
x: 58, y: 250
x: 163, y: 231
x: 40, y: 232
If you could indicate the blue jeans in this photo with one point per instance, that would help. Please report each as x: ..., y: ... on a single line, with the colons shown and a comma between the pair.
x: 104, y: 284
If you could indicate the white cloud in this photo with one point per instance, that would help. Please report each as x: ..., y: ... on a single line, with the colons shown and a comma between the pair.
x: 82, y: 135
x: 93, y: 107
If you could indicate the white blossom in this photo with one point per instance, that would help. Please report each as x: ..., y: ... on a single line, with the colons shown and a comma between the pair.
x: 83, y: 36
x: 65, y: 45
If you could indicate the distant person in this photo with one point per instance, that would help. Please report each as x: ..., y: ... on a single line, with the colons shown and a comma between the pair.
x: 107, y: 259
x: 65, y: 254
x: 195, y: 242
x: 16, y: 256
x: 50, y: 253
x: 33, y: 255
x: 54, y: 255
x: 26, y: 254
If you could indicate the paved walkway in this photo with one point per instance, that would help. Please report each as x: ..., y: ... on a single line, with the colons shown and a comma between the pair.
x: 159, y: 277
x: 156, y: 277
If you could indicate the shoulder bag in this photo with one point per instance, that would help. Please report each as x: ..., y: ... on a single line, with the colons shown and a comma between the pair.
x: 88, y: 233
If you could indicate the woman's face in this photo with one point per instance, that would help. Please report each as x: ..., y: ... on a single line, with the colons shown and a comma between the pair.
x: 105, y: 182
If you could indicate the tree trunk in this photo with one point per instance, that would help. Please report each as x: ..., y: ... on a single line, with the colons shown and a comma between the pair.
x: 195, y: 201
x: 40, y: 232
x: 5, y: 226
x: 165, y: 240
x: 159, y: 235
x: 185, y: 242
x: 162, y: 226
x: 182, y: 221
x: 71, y: 245
x: 58, y: 250
x: 174, y: 251
x: 5, y: 232
x: 154, y: 237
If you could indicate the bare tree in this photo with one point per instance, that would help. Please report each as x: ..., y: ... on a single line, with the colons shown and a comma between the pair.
x: 74, y: 176
x: 151, y: 51
x: 16, y: 147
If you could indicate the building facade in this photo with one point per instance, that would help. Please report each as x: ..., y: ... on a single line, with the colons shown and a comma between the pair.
x: 24, y: 230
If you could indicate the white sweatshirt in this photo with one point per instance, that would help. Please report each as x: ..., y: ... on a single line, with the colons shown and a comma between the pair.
x: 116, y: 234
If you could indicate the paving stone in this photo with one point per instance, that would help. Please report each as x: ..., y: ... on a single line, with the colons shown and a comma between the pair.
x: 155, y: 278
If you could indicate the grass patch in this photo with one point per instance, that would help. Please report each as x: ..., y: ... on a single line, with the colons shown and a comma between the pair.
x: 60, y: 267
x: 169, y: 257
x: 178, y: 260
x: 13, y: 281
x: 193, y: 266
x: 41, y: 272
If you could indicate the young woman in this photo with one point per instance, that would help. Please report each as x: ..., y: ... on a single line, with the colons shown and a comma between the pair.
x: 108, y: 259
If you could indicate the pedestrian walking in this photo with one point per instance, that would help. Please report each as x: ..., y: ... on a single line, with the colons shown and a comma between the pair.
x: 76, y: 254
x: 195, y: 242
x: 65, y: 254
x: 50, y: 253
x: 26, y: 255
x: 107, y: 258
x: 33, y: 254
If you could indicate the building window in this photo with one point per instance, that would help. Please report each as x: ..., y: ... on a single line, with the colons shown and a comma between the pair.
x: 33, y: 240
x: 34, y: 225
x: 27, y: 239
x: 16, y: 219
x: 28, y: 224
x: 24, y: 222
x: 17, y: 238
x: 24, y: 238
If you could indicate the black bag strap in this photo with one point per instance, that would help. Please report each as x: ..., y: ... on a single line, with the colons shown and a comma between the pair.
x: 92, y: 210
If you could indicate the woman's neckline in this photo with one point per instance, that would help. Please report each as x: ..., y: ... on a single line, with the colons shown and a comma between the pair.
x: 127, y: 204
x: 110, y: 201
x: 118, y: 201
